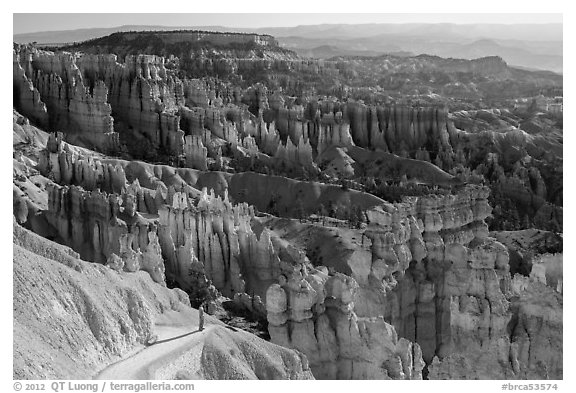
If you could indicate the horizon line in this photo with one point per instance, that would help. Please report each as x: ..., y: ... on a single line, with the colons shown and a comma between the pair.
x: 301, y: 25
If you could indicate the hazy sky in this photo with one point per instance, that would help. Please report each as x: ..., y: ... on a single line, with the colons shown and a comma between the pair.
x: 26, y: 23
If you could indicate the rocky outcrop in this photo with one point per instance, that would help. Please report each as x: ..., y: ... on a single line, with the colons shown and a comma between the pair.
x: 537, y: 332
x: 333, y: 132
x: 198, y: 93
x: 98, y: 225
x: 195, y: 153
x: 402, y: 130
x: 144, y: 97
x: 531, y: 348
x: 444, y: 284
x: 74, y: 105
x: 256, y: 97
x: 441, y: 270
x: 417, y: 289
x: 297, y: 156
x: 192, y: 120
x: 139, y: 93
x: 430, y: 272
x: 99, y: 318
x: 84, y: 315
x: 216, y: 122
x: 398, y: 128
x: 267, y: 138
x: 198, y: 243
x: 27, y: 98
x: 413, y: 277
x: 431, y: 275
x: 289, y: 122
x: 314, y: 313
x: 66, y: 166
x: 74, y: 167
x: 250, y: 146
x: 212, y: 241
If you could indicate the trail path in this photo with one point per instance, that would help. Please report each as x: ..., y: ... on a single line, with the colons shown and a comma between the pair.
x: 172, y: 342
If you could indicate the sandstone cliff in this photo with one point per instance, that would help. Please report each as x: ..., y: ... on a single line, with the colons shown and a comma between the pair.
x: 431, y: 275
x: 73, y: 104
x: 314, y: 312
x: 372, y: 284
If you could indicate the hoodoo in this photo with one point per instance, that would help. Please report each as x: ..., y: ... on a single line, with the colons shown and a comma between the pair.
x: 354, y: 217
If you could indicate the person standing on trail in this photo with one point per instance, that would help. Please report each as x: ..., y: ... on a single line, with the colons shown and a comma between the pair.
x: 201, y: 318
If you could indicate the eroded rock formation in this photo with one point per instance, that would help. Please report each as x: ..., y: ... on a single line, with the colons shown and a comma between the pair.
x: 195, y: 152
x: 212, y: 240
x: 75, y: 105
x: 425, y: 292
x: 314, y: 313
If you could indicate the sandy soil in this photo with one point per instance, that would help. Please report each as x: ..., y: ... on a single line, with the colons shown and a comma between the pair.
x: 172, y: 342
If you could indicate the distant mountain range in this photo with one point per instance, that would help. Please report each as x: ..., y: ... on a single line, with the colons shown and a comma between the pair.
x: 532, y: 46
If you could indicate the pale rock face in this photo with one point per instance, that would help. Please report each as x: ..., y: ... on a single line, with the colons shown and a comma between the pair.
x: 296, y: 156
x: 215, y: 239
x: 115, y: 262
x: 464, y: 289
x: 314, y: 313
x: 132, y: 259
x: 433, y: 277
x: 66, y: 167
x: 249, y: 144
x: 83, y: 112
x: 96, y: 225
x: 27, y: 99
x: 267, y: 138
x: 289, y: 122
x: 196, y: 93
x: 63, y: 164
x: 152, y: 261
x: 333, y: 132
x: 396, y: 129
x: 92, y: 238
x: 460, y: 264
x: 106, y: 229
x: 195, y: 152
x: 140, y: 93
x: 254, y: 304
x: 530, y: 350
x: 547, y: 269
x: 216, y: 122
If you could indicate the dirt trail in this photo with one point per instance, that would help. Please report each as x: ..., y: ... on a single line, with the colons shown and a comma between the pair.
x: 172, y: 342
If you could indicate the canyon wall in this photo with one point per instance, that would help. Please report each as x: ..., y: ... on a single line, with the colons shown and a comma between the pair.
x: 211, y: 240
x: 102, y: 103
x: 74, y: 105
x: 433, y: 277
x: 430, y: 288
x: 430, y: 295
x: 314, y: 313
x: 27, y: 97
